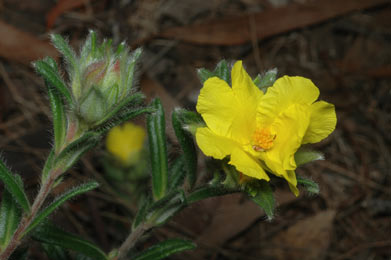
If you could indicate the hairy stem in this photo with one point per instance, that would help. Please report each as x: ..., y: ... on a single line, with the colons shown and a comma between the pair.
x: 132, y: 239
x: 26, y: 220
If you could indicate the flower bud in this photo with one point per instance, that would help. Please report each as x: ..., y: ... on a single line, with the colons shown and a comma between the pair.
x: 101, y: 80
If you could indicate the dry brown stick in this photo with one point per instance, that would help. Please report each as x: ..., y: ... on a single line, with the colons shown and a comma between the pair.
x: 236, y: 30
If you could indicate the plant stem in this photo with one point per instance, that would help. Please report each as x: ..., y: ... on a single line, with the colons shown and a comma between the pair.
x: 26, y: 220
x: 132, y: 239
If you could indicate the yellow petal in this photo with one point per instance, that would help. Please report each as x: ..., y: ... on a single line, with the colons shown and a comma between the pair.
x: 285, y: 92
x: 214, y: 145
x: 215, y: 104
x: 246, y: 92
x: 289, y: 128
x: 322, y: 122
x: 230, y: 112
x: 293, y: 187
x: 247, y: 96
x: 247, y: 164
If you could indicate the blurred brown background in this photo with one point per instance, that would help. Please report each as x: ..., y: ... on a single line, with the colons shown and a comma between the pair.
x: 343, y: 46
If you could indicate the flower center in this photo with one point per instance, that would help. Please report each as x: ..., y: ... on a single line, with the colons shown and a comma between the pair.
x: 263, y: 139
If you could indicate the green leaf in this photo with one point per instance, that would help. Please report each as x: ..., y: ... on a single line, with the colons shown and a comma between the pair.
x: 134, y: 100
x: 204, y: 74
x: 72, y: 152
x: 165, y: 249
x: 52, y: 63
x: 185, y: 139
x: 158, y: 151
x: 309, y: 185
x: 232, y: 176
x: 265, y: 198
x: 121, y: 47
x: 14, y: 185
x: 177, y: 173
x: 59, y: 201
x: 88, y: 49
x: 266, y: 80
x: 62, y: 45
x: 208, y: 192
x: 167, y: 199
x: 48, y: 166
x: 164, y: 209
x: 142, y: 212
x: 123, y: 117
x: 52, y: 77
x: 131, y: 66
x: 53, y: 235
x: 55, y: 252
x: 9, y: 218
x: 191, y: 117
x: 59, y: 117
x: 223, y: 71
x: 303, y: 156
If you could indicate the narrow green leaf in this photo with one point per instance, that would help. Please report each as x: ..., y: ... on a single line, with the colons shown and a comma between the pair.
x: 265, y: 198
x: 93, y: 43
x: 88, y: 49
x: 59, y: 201
x: 123, y: 117
x: 78, y: 145
x: 170, y: 198
x: 48, y: 166
x: 121, y: 47
x: 134, y: 100
x: 55, y: 252
x: 59, y: 116
x: 130, y: 67
x: 165, y: 249
x: 53, y: 235
x: 62, y: 45
x: 14, y: 186
x: 191, y: 117
x: 9, y: 218
x: 161, y: 216
x: 303, y: 156
x: 309, y: 185
x: 53, y: 78
x: 223, y: 71
x: 266, y: 80
x: 232, y: 176
x: 177, y: 173
x: 162, y: 210
x: 185, y: 139
x: 204, y: 74
x: 52, y: 63
x: 142, y: 212
x: 208, y: 192
x: 158, y: 150
x: 70, y: 159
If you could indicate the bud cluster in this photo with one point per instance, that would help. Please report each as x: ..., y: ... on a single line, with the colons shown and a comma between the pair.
x: 101, y: 78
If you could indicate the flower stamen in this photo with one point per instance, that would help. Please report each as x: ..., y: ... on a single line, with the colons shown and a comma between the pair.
x: 263, y: 139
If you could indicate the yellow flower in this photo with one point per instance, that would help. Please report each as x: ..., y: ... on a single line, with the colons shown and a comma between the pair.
x: 261, y: 131
x: 125, y: 142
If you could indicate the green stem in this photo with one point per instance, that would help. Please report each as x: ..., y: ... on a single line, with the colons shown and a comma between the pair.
x: 26, y: 221
x: 132, y: 239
